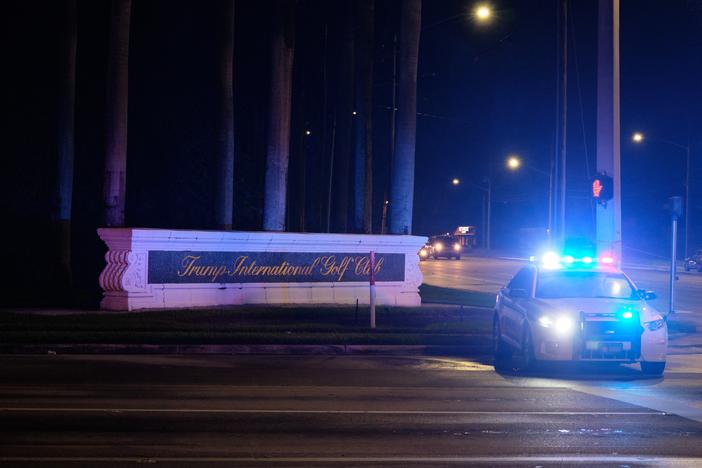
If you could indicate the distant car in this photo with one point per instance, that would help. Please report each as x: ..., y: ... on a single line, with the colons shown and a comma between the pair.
x: 425, y: 252
x: 578, y: 310
x: 446, y: 246
x: 694, y: 262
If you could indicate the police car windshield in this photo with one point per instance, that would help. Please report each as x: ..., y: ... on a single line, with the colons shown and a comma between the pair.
x: 588, y: 284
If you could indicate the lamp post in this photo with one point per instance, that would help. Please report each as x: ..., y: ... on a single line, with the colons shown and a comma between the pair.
x: 639, y: 138
x: 514, y: 163
x: 487, y: 215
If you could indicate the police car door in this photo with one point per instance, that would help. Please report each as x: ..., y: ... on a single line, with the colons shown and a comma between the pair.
x: 519, y: 292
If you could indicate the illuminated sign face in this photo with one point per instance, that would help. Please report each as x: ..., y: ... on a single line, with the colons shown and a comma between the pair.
x: 596, y: 188
x: 270, y: 267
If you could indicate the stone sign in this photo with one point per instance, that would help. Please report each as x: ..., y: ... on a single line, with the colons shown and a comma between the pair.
x: 160, y: 268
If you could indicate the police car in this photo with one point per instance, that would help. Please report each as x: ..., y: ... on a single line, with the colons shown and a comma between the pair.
x: 578, y: 309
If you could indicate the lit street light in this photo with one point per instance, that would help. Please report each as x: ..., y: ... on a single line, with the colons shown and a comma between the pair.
x: 513, y: 162
x: 482, y: 13
x: 638, y: 138
x: 487, y: 190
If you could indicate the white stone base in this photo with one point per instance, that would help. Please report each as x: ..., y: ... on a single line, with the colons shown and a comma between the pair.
x: 125, y: 277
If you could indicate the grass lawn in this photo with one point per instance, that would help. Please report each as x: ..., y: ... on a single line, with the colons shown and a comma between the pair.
x: 429, y: 325
x: 440, y: 295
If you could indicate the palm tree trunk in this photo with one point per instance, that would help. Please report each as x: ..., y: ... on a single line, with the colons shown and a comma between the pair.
x: 278, y: 147
x: 63, y: 190
x: 225, y: 163
x: 344, y: 121
x: 363, y: 147
x: 116, y: 126
x: 402, y: 194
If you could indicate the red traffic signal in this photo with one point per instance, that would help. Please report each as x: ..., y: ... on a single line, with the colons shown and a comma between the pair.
x: 602, y: 188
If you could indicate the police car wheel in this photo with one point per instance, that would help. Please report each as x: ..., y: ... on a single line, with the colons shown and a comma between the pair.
x: 652, y: 368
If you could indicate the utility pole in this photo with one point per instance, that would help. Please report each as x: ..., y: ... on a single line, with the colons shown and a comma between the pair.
x: 564, y: 122
x: 609, y: 231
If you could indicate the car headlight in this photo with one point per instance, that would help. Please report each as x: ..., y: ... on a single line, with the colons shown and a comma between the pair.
x: 561, y: 325
x: 655, y: 325
x: 423, y: 253
x: 456, y: 247
x: 439, y: 247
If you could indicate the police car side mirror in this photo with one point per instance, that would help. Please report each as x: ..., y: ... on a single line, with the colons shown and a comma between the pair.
x: 647, y: 295
x: 518, y: 293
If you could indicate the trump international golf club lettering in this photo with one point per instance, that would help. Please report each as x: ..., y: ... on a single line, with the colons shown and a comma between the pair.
x: 270, y: 267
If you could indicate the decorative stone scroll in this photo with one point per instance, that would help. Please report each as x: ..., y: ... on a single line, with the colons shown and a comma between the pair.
x: 156, y: 268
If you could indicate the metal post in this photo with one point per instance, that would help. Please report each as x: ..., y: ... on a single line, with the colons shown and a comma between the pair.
x: 372, y: 289
x: 564, y: 125
x: 673, y: 261
x: 549, y: 229
x: 687, y: 199
x: 489, y: 211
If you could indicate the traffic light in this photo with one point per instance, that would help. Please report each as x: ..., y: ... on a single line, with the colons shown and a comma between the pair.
x: 602, y: 188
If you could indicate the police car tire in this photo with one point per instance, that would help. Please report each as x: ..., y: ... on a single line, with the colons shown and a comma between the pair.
x: 652, y: 368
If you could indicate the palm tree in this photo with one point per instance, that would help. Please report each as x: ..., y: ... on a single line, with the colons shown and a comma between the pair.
x: 363, y: 147
x: 115, y: 182
x: 343, y: 120
x: 402, y: 192
x: 63, y: 189
x: 224, y: 197
x: 278, y: 147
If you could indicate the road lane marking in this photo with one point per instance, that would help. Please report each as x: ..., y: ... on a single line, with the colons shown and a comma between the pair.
x: 302, y: 411
x: 640, y: 460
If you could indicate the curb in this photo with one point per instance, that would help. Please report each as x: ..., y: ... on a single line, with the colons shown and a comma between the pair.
x: 280, y: 350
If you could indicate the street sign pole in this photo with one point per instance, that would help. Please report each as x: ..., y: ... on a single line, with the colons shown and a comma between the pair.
x: 372, y: 289
x: 676, y: 210
x: 673, y: 263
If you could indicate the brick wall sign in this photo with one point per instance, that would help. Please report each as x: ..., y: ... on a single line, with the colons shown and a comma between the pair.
x: 165, y: 269
x: 271, y: 267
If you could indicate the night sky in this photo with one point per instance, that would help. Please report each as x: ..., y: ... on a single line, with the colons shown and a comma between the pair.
x: 484, y: 91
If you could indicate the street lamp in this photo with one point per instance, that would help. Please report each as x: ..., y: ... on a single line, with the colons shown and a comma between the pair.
x: 482, y: 12
x: 514, y: 163
x: 487, y: 190
x: 638, y: 138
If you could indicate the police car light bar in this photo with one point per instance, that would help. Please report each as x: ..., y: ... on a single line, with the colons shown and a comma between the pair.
x: 553, y: 260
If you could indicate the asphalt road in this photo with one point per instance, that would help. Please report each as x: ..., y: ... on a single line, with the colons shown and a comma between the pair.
x: 95, y: 411
x: 490, y: 274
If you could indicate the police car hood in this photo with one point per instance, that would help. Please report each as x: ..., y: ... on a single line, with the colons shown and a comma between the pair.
x: 573, y: 306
